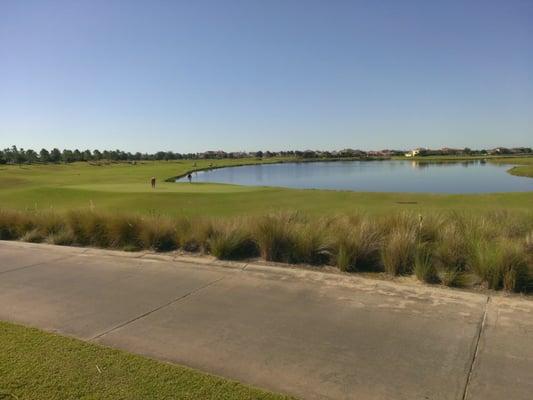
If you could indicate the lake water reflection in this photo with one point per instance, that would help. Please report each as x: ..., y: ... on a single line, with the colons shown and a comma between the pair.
x: 375, y: 176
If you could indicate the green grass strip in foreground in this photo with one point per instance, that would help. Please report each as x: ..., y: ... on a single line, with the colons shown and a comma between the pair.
x: 39, y: 365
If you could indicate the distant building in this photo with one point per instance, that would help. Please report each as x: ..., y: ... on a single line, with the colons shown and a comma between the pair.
x: 499, y: 150
x: 415, y: 152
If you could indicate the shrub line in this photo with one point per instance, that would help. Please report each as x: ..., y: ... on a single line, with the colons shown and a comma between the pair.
x: 494, y: 251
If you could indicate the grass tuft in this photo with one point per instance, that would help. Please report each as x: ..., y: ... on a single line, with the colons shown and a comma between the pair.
x: 158, y: 234
x: 274, y: 237
x: 358, y: 248
x: 399, y: 250
x: 33, y: 236
x: 124, y: 232
x: 424, y: 267
x: 233, y: 243
x: 64, y: 237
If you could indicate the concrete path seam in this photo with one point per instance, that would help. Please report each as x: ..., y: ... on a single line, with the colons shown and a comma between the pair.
x: 156, y: 309
x: 36, y: 264
x: 476, y: 349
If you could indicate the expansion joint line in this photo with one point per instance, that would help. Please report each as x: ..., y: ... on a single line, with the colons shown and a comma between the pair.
x: 476, y: 349
x: 155, y: 309
x: 35, y: 264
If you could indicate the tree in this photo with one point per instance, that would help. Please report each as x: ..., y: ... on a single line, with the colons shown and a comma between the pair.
x: 86, y: 155
x: 67, y: 156
x: 55, y: 155
x: 44, y: 155
x: 309, y: 154
x: 76, y: 155
x: 31, y: 156
x: 19, y: 155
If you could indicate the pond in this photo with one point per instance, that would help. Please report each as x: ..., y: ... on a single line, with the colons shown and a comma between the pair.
x: 375, y: 176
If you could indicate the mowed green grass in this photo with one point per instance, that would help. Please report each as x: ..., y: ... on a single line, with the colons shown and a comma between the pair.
x: 41, y: 366
x: 125, y: 187
x: 524, y: 169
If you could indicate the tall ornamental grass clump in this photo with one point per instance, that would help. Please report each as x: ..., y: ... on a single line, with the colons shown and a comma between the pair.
x: 358, y: 247
x: 63, y: 237
x: 311, y: 244
x: 502, y: 264
x: 195, y: 235
x: 424, y: 267
x: 13, y: 224
x: 274, y: 236
x: 451, y: 253
x: 231, y: 241
x: 158, y: 234
x: 398, y: 250
x: 125, y: 232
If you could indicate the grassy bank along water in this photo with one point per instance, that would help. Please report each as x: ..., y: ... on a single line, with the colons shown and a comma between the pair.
x: 492, y: 250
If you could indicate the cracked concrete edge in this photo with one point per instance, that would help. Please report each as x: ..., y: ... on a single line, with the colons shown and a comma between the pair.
x: 475, y: 350
x: 325, y: 275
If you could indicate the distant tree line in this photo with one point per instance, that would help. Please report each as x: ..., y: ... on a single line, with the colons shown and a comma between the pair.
x: 14, y: 155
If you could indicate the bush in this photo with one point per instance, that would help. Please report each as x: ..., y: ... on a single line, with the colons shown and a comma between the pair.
x: 486, y: 263
x: 274, y: 237
x: 232, y: 243
x: 11, y: 224
x: 424, y: 268
x: 358, y: 249
x: 310, y: 245
x: 398, y: 252
x: 50, y: 223
x: 452, y: 249
x: 502, y: 264
x: 33, y: 236
x: 97, y: 230
x: 124, y: 232
x: 195, y: 235
x: 63, y: 238
x: 515, y: 267
x: 77, y: 223
x: 430, y: 227
x: 158, y: 234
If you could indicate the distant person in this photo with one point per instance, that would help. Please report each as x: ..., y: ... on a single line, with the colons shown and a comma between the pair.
x: 189, y: 177
x: 153, y: 182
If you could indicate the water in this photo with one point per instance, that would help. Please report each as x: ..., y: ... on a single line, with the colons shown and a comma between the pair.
x: 375, y: 176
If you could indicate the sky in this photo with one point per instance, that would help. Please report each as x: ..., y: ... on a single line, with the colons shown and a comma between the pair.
x: 253, y: 75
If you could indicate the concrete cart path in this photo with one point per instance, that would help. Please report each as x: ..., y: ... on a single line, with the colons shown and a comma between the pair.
x: 310, y: 334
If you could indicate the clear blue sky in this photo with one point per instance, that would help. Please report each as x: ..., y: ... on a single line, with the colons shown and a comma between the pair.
x: 248, y: 75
